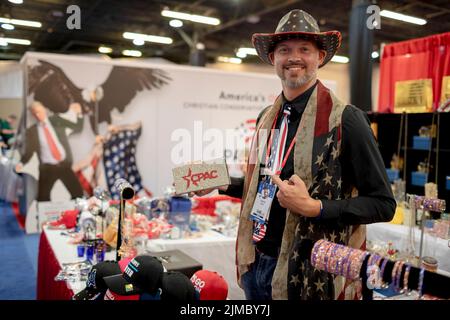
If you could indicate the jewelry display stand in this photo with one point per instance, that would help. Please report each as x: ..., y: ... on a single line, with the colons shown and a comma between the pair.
x: 126, y: 192
x: 427, y: 205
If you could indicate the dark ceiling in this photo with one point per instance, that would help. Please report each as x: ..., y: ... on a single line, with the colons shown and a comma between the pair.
x: 104, y: 21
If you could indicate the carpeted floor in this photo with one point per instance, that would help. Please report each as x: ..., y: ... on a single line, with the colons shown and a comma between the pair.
x: 18, y: 258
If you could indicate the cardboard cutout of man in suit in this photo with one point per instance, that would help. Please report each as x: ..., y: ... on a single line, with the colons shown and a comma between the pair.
x: 49, y: 140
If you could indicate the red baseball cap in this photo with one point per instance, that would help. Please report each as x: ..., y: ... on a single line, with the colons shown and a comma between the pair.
x: 210, y: 285
x: 110, y: 295
x: 68, y: 219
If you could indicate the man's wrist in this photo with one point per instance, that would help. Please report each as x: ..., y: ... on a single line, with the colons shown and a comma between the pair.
x: 315, y: 208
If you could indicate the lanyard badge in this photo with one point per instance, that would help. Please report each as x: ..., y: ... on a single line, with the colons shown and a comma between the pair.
x: 274, y: 164
x: 263, y: 202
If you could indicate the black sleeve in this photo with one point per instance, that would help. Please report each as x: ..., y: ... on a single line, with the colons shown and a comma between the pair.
x: 363, y: 165
x: 235, y: 188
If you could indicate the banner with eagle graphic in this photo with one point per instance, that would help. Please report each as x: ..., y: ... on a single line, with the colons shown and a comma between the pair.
x: 90, y: 121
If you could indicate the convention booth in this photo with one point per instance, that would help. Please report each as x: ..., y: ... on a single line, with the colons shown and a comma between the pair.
x: 133, y: 121
x: 411, y: 128
x: 125, y: 125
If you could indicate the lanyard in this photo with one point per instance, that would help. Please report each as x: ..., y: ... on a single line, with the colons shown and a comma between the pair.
x: 269, y: 146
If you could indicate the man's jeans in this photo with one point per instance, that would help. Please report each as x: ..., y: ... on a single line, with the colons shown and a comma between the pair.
x: 257, y: 282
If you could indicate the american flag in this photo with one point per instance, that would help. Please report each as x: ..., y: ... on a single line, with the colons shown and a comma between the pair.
x: 120, y: 161
x: 259, y: 231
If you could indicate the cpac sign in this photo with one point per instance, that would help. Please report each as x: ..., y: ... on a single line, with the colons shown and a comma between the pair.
x: 200, y: 176
x: 196, y: 178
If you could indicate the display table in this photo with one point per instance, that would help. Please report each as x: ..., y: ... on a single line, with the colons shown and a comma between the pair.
x: 398, y: 234
x: 54, y: 250
x: 213, y: 250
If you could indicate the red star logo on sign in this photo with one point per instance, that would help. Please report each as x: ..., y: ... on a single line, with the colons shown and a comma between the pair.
x: 197, y: 177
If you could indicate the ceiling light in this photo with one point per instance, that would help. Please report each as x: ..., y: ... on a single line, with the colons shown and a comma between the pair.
x: 200, y: 46
x: 147, y: 37
x: 138, y: 41
x: 16, y: 1
x: 251, y: 51
x: 132, y: 53
x: 340, y: 59
x: 57, y: 13
x: 105, y: 49
x: 402, y: 17
x: 176, y: 23
x: 17, y: 41
x: 375, y: 54
x: 26, y: 23
x: 3, y: 42
x: 7, y: 26
x: 190, y: 17
x: 229, y: 60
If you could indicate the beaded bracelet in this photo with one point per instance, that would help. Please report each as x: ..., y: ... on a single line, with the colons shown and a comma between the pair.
x: 429, y: 203
x: 315, y: 251
x: 398, y: 276
x: 369, y: 262
x: 339, y: 259
x: 343, y: 257
x: 356, y: 262
x: 334, y: 258
x: 326, y: 256
x: 351, y: 260
x: 321, y: 255
x: 383, y: 267
x: 420, y: 286
x: 318, y: 247
x: 405, y: 279
x: 379, y: 281
x: 394, y: 272
x: 371, y: 272
x: 345, y: 262
x: 320, y: 262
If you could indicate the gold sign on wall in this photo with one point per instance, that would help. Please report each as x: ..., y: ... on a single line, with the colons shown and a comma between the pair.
x: 413, y: 96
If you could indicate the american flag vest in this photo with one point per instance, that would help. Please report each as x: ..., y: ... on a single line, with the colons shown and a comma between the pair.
x: 316, y: 161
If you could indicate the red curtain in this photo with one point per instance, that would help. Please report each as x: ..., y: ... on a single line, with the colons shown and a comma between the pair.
x: 421, y: 58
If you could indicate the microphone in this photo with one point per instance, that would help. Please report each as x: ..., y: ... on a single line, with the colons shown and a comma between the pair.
x: 124, y: 188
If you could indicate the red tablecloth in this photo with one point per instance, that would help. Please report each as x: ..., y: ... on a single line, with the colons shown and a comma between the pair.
x: 48, y: 268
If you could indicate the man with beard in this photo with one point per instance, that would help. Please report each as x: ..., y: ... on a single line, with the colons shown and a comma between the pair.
x: 324, y: 161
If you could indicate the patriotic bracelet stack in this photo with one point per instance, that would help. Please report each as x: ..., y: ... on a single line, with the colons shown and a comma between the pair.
x: 430, y: 204
x: 338, y: 259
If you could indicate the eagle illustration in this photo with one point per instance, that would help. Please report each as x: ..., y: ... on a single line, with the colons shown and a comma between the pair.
x: 53, y: 88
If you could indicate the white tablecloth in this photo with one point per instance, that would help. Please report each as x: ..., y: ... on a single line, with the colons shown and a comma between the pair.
x: 214, y: 251
x: 398, y: 234
x: 67, y: 253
